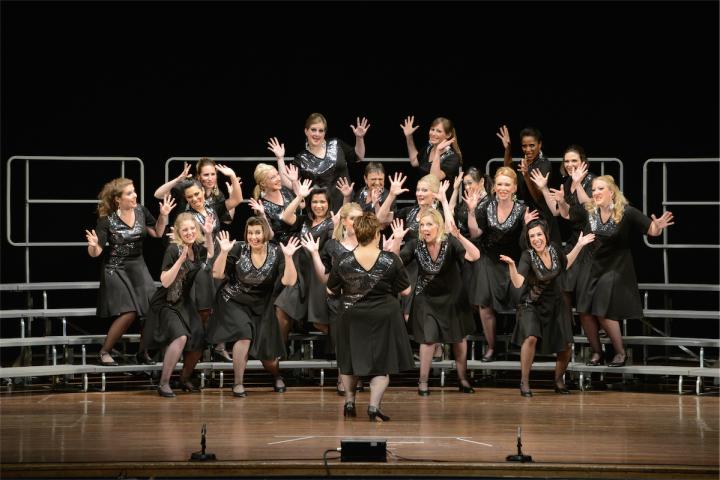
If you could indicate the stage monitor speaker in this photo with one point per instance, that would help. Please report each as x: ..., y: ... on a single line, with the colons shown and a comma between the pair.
x: 363, y: 450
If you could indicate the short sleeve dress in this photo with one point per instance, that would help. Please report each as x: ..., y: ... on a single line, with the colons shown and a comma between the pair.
x: 371, y: 335
x: 440, y: 311
x: 125, y: 282
x: 449, y: 163
x: 542, y: 311
x: 245, y: 303
x: 325, y: 172
x: 543, y: 165
x: 577, y: 221
x: 361, y: 198
x: 273, y: 212
x: 611, y: 290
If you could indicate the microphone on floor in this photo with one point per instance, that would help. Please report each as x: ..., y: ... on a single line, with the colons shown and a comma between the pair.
x: 519, y: 457
x: 201, y: 455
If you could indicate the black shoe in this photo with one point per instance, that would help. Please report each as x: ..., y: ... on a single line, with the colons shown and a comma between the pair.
x: 239, y: 394
x: 106, y: 364
x: 221, y: 356
x: 188, y: 386
x: 562, y: 390
x: 165, y: 393
x: 375, y: 415
x: 359, y: 387
x: 341, y: 393
x: 423, y: 393
x: 349, y: 410
x: 462, y: 388
x: 143, y: 358
x: 488, y: 358
x: 596, y: 362
x: 525, y: 393
x: 618, y: 363
x: 279, y: 389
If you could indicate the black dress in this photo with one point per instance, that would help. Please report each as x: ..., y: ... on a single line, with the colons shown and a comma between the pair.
x: 543, y: 165
x: 330, y: 255
x: 577, y: 220
x: 216, y: 202
x: 440, y: 310
x: 449, y: 163
x: 371, y: 334
x: 469, y: 269
x: 125, y: 282
x: 325, y: 172
x: 273, y: 212
x: 611, y: 289
x: 542, y: 312
x: 314, y: 297
x: 492, y: 287
x: 245, y: 304
x: 361, y: 198
x: 173, y: 311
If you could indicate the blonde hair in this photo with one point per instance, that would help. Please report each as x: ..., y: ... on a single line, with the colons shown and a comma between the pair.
x: 261, y: 173
x: 507, y: 172
x: 107, y: 198
x: 438, y: 219
x: 206, y: 162
x: 339, y: 230
x: 619, y: 200
x: 184, y: 217
x: 432, y: 181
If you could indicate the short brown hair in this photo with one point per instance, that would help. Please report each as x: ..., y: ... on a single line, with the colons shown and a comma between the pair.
x: 366, y: 228
x: 253, y: 221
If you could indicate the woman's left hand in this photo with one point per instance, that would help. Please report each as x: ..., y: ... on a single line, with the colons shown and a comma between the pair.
x: 167, y: 205
x: 292, y: 246
x: 257, y: 206
x: 361, y: 127
x: 531, y: 215
x: 665, y: 220
x: 225, y: 170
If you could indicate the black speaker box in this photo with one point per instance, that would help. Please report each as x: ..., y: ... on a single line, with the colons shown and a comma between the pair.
x: 363, y: 450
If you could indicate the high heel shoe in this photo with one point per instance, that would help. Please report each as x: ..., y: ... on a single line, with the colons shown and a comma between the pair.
x: 165, y: 393
x: 562, y: 390
x: 375, y: 415
x: 426, y: 391
x: 525, y: 393
x: 618, y: 363
x: 360, y: 387
x: 488, y: 358
x: 279, y: 389
x: 595, y: 362
x: 341, y: 393
x: 142, y: 357
x: 111, y: 363
x: 463, y: 389
x: 349, y: 410
x: 242, y: 394
x: 187, y: 386
x: 221, y: 356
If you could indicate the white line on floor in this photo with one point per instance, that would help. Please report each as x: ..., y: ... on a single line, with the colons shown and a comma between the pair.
x: 291, y: 440
x: 472, y: 441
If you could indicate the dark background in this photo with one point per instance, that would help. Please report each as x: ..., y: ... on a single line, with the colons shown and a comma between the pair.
x: 633, y: 80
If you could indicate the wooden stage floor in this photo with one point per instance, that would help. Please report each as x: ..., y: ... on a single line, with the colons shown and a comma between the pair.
x: 598, y: 434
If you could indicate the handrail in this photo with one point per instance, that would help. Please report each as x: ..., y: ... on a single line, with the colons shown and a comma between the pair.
x: 601, y: 160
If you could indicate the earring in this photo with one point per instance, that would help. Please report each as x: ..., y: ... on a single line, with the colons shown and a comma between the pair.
x: 612, y: 205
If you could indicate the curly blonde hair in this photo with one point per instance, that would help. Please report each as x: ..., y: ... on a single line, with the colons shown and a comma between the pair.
x: 619, y: 200
x: 261, y: 173
x: 339, y: 230
x: 434, y: 213
x: 184, y: 217
x: 107, y: 198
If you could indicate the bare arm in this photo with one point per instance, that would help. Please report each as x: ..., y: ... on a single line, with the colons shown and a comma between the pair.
x: 581, y: 242
x: 515, y: 277
x: 168, y: 276
x: 166, y: 206
x: 288, y: 215
x: 166, y: 188
x: 94, y: 249
x: 472, y: 253
x: 289, y: 277
x: 408, y: 129
x: 658, y: 224
x: 360, y: 130
x: 218, y: 269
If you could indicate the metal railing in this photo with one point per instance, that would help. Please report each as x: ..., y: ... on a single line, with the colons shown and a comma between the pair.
x: 602, y: 161
x: 30, y: 201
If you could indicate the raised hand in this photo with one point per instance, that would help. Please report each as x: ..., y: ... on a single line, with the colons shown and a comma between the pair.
x: 225, y: 170
x: 184, y: 253
x: 558, y: 195
x: 291, y: 171
x: 224, y: 241
x: 310, y: 244
x: 397, y: 228
x: 453, y: 230
x: 361, y: 127
x: 585, y: 239
x: 396, y: 183
x: 444, y: 145
x: 185, y: 173
x: 167, y: 205
x: 442, y: 190
x: 305, y: 188
x: 531, y: 215
x: 292, y: 246
x: 471, y: 199
x: 171, y: 232
x: 345, y: 188
x: 389, y: 243
x: 506, y: 259
x: 207, y: 225
x: 523, y: 167
x: 579, y: 173
x: 458, y: 180
x: 407, y: 126
x: 91, y: 238
x: 277, y: 148
x: 504, y: 136
x: 665, y: 220
x: 374, y: 196
x: 539, y: 179
x: 257, y: 206
x: 335, y: 217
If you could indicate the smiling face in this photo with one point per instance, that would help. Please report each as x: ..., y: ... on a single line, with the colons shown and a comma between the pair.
x: 530, y: 147
x: 428, y: 229
x: 195, y: 198
x: 188, y: 232
x: 571, y: 161
x: 208, y: 177
x: 350, y: 220
x: 537, y: 239
x: 471, y: 186
x: 423, y: 194
x: 375, y: 180
x: 505, y: 187
x: 319, y: 205
x: 437, y: 133
x: 315, y: 134
x: 127, y: 199
x: 272, y: 181
x: 255, y: 236
x: 601, y: 193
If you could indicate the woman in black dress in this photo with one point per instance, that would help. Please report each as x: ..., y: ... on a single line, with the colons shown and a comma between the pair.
x: 371, y: 336
x: 610, y: 293
x: 440, y: 312
x: 543, y: 320
x: 373, y: 194
x: 255, y: 272
x: 125, y: 282
x: 500, y: 222
x: 175, y: 322
x: 323, y: 161
x: 441, y: 156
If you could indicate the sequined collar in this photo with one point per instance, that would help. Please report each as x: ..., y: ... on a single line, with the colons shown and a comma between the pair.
x: 510, y: 221
x: 597, y: 226
x: 428, y: 268
x: 539, y: 266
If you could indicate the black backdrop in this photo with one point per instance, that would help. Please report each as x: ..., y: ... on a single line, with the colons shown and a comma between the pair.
x: 633, y: 80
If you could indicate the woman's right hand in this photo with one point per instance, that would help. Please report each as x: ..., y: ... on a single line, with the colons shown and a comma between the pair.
x: 185, y: 173
x: 396, y: 183
x: 471, y: 199
x: 458, y: 180
x: 92, y: 238
x: 579, y: 173
x: 257, y: 206
x: 407, y: 126
x: 224, y: 240
x: 539, y: 179
x: 504, y: 136
x: 508, y: 260
x: 305, y: 188
x: 397, y: 228
x: 183, y: 254
x: 277, y: 148
x: 291, y: 171
x: 310, y: 244
x: 345, y: 187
